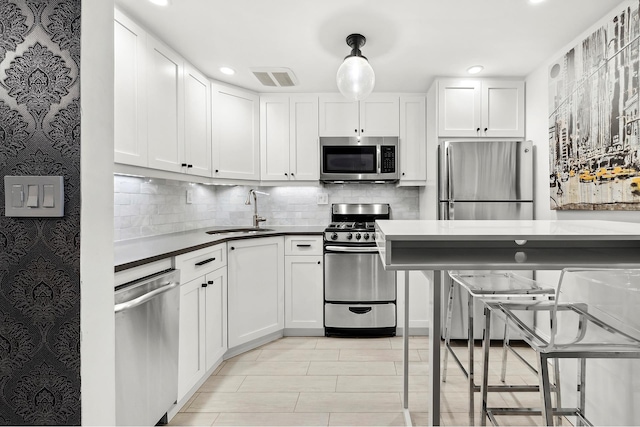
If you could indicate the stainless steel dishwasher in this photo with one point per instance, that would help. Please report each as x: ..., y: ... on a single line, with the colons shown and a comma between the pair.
x: 146, y: 326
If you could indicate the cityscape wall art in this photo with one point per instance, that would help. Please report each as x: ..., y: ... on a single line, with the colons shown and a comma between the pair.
x: 594, y: 141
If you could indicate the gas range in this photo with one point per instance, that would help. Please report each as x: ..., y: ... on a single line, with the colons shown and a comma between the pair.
x: 359, y: 294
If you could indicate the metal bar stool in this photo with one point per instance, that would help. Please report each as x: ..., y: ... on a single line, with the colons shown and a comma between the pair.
x: 605, y: 326
x: 487, y: 286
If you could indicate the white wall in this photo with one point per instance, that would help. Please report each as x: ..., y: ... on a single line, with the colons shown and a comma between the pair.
x: 612, y: 402
x: 97, y: 347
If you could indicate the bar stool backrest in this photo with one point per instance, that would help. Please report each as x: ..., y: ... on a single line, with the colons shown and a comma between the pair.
x: 597, y: 307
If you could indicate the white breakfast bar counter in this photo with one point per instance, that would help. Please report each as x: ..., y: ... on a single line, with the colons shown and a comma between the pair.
x: 407, y: 245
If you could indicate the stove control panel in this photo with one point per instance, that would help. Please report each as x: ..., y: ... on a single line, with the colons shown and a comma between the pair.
x: 349, y: 237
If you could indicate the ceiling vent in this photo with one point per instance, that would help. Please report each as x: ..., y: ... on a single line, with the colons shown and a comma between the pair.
x: 275, y: 77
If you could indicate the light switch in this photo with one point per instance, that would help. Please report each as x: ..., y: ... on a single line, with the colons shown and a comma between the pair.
x: 17, y: 196
x: 32, y: 196
x: 47, y: 196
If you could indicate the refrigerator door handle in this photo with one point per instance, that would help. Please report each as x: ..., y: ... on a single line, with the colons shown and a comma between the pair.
x: 451, y: 213
x: 448, y: 149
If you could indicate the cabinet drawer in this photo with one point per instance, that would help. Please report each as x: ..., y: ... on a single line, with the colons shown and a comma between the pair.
x: 360, y: 315
x: 303, y: 245
x: 198, y: 263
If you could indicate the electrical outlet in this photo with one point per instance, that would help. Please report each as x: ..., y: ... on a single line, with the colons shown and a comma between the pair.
x: 189, y: 197
x: 322, y: 198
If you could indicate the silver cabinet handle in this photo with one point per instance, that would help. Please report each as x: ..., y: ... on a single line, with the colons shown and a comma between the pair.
x: 371, y: 249
x: 144, y: 298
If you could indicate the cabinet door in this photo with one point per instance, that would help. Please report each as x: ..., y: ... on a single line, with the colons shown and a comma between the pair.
x: 274, y: 138
x: 236, y: 143
x: 191, y: 354
x: 380, y: 115
x: 338, y: 116
x: 503, y: 108
x: 255, y: 289
x: 304, y: 300
x: 165, y: 107
x: 459, y: 107
x: 304, y: 148
x: 130, y: 98
x: 197, y: 122
x: 413, y: 139
x: 215, y: 316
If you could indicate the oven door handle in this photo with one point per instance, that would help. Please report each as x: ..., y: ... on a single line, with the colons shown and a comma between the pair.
x: 368, y: 249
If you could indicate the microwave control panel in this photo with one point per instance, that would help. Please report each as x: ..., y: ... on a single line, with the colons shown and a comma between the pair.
x: 388, y: 153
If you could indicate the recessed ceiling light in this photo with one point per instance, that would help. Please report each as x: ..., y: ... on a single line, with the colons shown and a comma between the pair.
x: 535, y: 1
x: 227, y: 70
x: 475, y: 69
x: 160, y: 2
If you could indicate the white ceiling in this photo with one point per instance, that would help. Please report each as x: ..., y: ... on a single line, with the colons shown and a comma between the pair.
x: 409, y: 42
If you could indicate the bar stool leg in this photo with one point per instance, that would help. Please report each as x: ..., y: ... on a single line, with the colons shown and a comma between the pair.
x: 556, y: 376
x: 582, y: 392
x: 470, y: 343
x: 545, y: 389
x: 505, y: 351
x: 485, y: 364
x: 447, y: 331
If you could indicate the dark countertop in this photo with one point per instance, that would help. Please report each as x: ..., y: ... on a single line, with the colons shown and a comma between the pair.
x: 135, y: 252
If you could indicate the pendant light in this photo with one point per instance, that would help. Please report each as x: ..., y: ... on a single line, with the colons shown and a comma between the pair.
x: 355, y: 78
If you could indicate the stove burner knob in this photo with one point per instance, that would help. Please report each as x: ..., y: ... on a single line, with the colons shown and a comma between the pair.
x: 366, y: 236
x: 334, y: 236
x: 349, y: 236
x: 358, y: 236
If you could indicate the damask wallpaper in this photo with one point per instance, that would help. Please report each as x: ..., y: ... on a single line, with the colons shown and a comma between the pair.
x: 40, y: 258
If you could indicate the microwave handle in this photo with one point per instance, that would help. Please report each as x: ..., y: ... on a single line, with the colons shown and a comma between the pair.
x: 378, y: 154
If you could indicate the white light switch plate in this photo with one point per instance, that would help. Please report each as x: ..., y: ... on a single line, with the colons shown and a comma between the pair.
x: 322, y: 198
x: 189, y: 197
x: 34, y: 196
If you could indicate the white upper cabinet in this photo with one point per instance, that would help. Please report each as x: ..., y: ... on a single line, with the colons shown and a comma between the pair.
x: 289, y: 138
x: 503, y: 108
x: 413, y: 140
x: 197, y: 122
x: 274, y: 138
x: 378, y: 115
x: 165, y: 108
x: 304, y: 150
x: 130, y: 102
x: 483, y: 108
x: 236, y: 143
x: 162, y: 105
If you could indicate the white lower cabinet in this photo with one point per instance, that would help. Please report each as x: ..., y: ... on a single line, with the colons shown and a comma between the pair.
x: 191, y: 358
x: 215, y: 314
x: 256, y: 289
x: 203, y: 315
x: 303, y: 288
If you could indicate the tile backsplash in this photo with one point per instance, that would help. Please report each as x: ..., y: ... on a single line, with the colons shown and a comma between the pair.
x: 148, y: 207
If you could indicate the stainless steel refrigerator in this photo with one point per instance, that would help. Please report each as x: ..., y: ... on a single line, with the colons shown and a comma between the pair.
x: 480, y: 180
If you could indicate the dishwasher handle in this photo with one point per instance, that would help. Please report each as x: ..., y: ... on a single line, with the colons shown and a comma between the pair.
x: 144, y: 298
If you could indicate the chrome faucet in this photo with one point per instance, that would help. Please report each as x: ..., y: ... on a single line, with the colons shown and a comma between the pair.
x: 256, y: 218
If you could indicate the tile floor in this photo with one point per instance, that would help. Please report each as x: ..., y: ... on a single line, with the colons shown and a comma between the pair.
x: 322, y: 381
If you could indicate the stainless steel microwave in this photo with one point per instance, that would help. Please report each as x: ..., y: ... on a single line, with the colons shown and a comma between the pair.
x: 347, y: 159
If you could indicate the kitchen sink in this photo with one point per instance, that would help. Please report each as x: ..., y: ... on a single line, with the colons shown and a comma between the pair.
x: 239, y: 230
